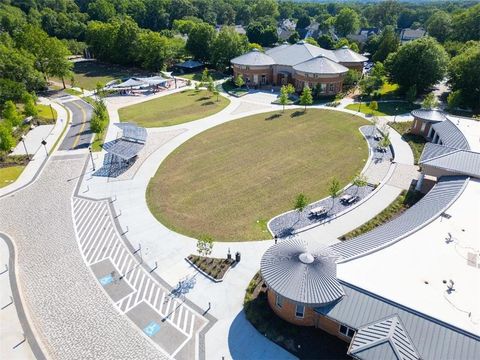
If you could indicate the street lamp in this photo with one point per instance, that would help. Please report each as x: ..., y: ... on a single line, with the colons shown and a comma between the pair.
x: 44, y: 143
x: 91, y: 157
x: 395, y: 117
x: 25, y: 146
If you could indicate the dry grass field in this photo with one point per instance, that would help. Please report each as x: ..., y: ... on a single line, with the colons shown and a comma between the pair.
x: 227, y: 182
x: 174, y: 109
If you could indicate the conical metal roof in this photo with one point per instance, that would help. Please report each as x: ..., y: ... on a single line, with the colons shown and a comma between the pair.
x: 302, y: 273
x: 253, y: 58
x: 321, y: 65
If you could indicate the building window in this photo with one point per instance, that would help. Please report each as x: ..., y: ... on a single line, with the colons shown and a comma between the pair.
x: 331, y: 87
x: 264, y: 80
x: 279, y: 301
x: 299, y: 311
x: 323, y: 87
x: 422, y: 129
x: 345, y: 330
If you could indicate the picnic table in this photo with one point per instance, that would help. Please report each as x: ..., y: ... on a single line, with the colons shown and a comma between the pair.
x: 318, y: 211
x: 348, y: 199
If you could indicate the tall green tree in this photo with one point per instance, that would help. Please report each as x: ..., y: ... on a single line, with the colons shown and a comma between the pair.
x: 466, y: 24
x: 421, y: 62
x: 347, y: 22
x: 334, y: 189
x: 29, y: 108
x: 439, y: 25
x: 227, y: 45
x: 388, y: 43
x: 6, y: 138
x: 200, y: 41
x: 464, y: 76
x: 306, y: 97
x: 10, y: 113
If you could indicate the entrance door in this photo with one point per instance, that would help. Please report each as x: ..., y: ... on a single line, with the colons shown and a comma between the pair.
x: 255, y: 79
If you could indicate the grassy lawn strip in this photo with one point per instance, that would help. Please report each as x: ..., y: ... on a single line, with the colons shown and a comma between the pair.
x: 416, y: 142
x: 9, y: 174
x: 46, y: 114
x: 73, y: 92
x: 395, y: 209
x: 226, y: 181
x: 214, y: 267
x: 197, y: 76
x: 232, y: 89
x: 302, y: 341
x: 178, y: 108
x: 384, y: 108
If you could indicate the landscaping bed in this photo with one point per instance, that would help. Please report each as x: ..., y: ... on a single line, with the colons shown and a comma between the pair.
x: 214, y: 268
x: 302, y: 341
x: 416, y: 142
x: 384, y: 108
x: 230, y: 88
x: 404, y: 201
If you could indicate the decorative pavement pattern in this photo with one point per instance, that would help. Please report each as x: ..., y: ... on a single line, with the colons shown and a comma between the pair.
x: 162, y: 314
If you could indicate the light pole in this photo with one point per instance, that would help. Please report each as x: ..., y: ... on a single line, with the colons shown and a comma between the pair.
x: 91, y: 157
x: 44, y: 143
x: 395, y: 117
x: 25, y: 146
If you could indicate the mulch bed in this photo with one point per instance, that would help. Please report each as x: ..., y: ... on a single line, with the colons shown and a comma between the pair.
x: 13, y: 160
x: 213, y: 267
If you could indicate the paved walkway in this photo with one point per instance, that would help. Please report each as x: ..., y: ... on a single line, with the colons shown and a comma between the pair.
x: 33, y: 140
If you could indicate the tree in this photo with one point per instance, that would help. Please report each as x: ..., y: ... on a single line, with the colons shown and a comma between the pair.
x: 370, y: 84
x: 303, y: 21
x: 411, y: 94
x: 311, y: 41
x: 422, y: 62
x: 102, y: 10
x: 385, y: 142
x: 300, y: 203
x: 373, y: 106
x: 387, y: 43
x: 205, y: 76
x: 454, y: 99
x: 210, y: 85
x: 326, y: 41
x: 227, y: 45
x: 439, y: 25
x: 306, y: 97
x: 216, y: 93
x: 10, y: 113
x: 466, y: 24
x: 239, y: 82
x: 204, y: 245
x: 347, y: 22
x: 99, y: 120
x: 464, y: 76
x: 200, y: 41
x: 29, y: 108
x: 352, y: 77
x: 6, y: 138
x: 359, y: 181
x: 430, y: 101
x: 334, y: 189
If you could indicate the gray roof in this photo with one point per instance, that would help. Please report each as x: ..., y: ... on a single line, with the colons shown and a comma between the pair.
x: 152, y: 80
x: 190, y: 64
x: 433, y: 115
x: 451, y: 135
x: 346, y: 55
x: 133, y: 132
x: 384, y: 339
x: 300, y: 273
x: 321, y: 65
x: 436, y: 201
x: 129, y: 83
x: 432, y: 338
x: 432, y: 150
x: 298, y: 53
x: 123, y: 148
x: 253, y: 58
x: 461, y: 162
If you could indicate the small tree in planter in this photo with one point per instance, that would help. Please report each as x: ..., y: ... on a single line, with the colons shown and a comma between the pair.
x: 301, y: 202
x: 385, y: 142
x: 283, y: 97
x: 373, y: 107
x: 204, y: 245
x: 334, y: 189
x: 239, y: 82
x: 215, y: 93
x: 359, y: 181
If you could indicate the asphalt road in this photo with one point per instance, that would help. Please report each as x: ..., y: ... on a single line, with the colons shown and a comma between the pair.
x: 79, y: 136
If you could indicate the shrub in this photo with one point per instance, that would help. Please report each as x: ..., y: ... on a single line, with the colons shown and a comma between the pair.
x: 6, y: 138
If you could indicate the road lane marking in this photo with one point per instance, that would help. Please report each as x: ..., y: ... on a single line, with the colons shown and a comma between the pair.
x: 84, y: 122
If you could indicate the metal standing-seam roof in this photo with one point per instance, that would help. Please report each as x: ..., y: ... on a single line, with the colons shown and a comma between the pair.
x: 298, y: 53
x: 300, y: 273
x: 382, y: 340
x: 458, y: 161
x: 436, y: 201
x: 253, y: 58
x: 450, y: 135
x: 433, y: 115
x: 346, y: 55
x: 432, y: 338
x: 432, y: 150
x: 321, y: 65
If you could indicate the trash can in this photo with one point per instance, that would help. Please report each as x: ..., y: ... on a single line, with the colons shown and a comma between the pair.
x: 238, y: 256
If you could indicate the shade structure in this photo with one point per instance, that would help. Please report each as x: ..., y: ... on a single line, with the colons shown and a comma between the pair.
x: 302, y: 273
x: 122, y: 148
x: 133, y: 132
x: 152, y: 80
x: 130, y: 83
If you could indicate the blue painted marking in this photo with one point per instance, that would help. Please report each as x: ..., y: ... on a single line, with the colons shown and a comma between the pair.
x: 151, y: 329
x: 107, y: 279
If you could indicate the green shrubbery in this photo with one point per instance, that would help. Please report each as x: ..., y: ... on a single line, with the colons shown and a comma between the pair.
x: 99, y: 120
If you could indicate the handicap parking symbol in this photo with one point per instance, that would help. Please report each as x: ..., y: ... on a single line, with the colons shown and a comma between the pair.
x: 151, y: 329
x: 107, y: 279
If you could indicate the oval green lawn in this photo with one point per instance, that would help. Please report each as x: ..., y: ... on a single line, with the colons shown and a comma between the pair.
x: 174, y: 109
x: 228, y: 181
